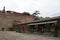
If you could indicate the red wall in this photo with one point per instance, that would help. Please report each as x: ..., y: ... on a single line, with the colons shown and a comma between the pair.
x: 25, y: 27
x: 58, y: 24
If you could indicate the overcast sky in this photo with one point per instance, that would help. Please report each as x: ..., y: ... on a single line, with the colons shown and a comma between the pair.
x: 46, y: 7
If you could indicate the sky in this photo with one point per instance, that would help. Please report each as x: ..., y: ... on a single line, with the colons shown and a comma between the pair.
x: 45, y: 7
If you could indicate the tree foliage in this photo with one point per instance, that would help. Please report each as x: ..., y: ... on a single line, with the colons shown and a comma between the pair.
x: 35, y: 13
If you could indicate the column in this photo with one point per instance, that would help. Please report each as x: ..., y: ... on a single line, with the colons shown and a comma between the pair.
x: 36, y: 26
x: 56, y: 30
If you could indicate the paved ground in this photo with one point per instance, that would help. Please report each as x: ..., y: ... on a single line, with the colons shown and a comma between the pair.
x: 6, y: 35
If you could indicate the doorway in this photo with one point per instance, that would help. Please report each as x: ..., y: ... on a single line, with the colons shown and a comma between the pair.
x: 2, y: 29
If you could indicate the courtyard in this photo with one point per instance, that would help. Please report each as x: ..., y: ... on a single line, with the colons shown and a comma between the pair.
x: 11, y: 35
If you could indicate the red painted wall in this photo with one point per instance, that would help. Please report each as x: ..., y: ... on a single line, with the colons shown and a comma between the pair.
x: 25, y: 27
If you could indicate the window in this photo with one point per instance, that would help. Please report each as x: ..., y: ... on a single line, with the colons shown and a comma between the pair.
x: 17, y: 17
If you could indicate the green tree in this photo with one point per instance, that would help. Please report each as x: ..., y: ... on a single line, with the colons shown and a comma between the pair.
x: 35, y: 13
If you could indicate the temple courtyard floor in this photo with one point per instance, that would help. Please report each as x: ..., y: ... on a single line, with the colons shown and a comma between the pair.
x: 10, y: 35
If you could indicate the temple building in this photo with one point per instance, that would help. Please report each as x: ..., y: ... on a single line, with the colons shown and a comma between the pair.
x: 51, y: 26
x: 8, y: 18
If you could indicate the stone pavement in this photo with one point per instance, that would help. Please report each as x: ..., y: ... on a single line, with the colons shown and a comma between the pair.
x: 8, y: 35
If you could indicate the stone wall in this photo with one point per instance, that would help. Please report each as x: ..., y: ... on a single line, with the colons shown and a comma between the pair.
x: 8, y: 19
x: 6, y: 22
